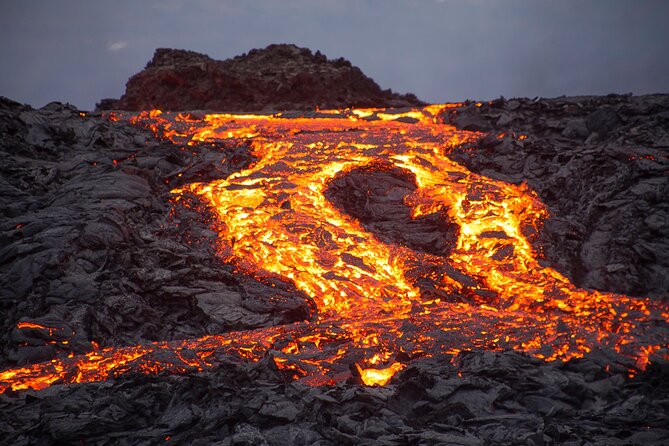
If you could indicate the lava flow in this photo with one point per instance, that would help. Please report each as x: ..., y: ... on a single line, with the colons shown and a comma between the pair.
x: 379, y: 304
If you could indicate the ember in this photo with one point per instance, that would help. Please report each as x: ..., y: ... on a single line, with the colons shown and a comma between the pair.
x: 379, y: 304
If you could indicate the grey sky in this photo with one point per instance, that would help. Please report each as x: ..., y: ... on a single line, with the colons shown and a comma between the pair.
x: 442, y: 50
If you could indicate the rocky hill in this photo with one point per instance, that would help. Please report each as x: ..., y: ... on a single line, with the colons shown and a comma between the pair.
x: 279, y: 77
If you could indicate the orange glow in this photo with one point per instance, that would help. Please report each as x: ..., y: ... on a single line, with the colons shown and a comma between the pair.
x: 31, y: 325
x: 112, y: 116
x: 379, y: 377
x: 275, y: 222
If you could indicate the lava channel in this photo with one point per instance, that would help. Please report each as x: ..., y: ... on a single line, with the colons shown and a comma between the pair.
x: 275, y: 221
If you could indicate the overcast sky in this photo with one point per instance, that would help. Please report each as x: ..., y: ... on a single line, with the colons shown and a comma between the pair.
x: 80, y: 51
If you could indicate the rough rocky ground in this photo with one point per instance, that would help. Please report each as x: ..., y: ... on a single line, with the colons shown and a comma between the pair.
x: 93, y: 247
x: 601, y: 164
x: 486, y: 398
x: 279, y: 77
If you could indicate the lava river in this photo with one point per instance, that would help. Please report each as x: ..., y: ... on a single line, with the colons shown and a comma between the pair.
x: 374, y: 312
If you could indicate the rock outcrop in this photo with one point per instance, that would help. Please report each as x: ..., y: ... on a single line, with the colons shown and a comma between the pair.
x: 279, y: 77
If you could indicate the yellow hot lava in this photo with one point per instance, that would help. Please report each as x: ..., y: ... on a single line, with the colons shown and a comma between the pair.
x: 379, y: 377
x: 275, y: 221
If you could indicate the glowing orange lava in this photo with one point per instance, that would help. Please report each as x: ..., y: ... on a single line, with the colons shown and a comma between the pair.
x: 277, y: 223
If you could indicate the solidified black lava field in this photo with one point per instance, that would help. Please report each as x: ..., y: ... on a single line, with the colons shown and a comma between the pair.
x: 94, y: 248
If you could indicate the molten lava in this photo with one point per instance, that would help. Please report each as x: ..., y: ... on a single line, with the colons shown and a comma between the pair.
x: 275, y: 222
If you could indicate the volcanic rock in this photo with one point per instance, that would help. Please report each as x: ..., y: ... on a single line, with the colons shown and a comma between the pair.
x: 84, y: 253
x: 94, y: 249
x: 484, y: 398
x: 603, y: 120
x: 607, y: 194
x: 279, y: 77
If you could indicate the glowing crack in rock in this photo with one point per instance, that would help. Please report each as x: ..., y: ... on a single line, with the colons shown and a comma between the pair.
x: 276, y: 222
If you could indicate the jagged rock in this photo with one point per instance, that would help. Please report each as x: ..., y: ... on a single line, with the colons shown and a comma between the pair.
x: 85, y: 252
x: 93, y: 248
x: 603, y: 120
x: 605, y: 193
x: 575, y: 128
x: 279, y: 77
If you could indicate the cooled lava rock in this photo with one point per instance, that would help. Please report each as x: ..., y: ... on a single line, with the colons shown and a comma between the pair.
x: 87, y: 252
x: 94, y: 251
x: 279, y: 77
x: 601, y: 165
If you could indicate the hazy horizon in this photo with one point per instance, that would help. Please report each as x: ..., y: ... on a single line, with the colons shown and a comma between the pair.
x: 441, y: 50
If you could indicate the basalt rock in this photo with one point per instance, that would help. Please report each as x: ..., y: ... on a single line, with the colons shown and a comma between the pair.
x: 93, y: 248
x: 279, y: 77
x: 84, y: 249
x: 483, y: 398
x: 600, y: 164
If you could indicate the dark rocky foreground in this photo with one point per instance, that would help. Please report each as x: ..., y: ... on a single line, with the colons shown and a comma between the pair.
x: 279, y: 77
x: 486, y: 398
x: 93, y: 247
